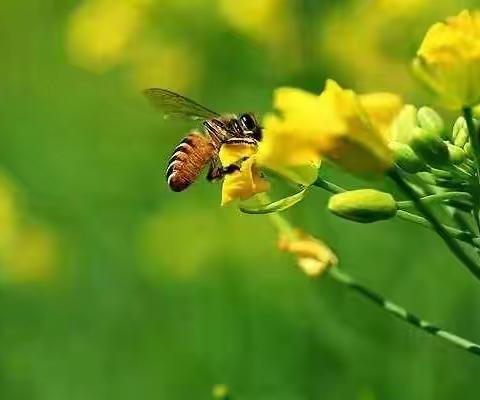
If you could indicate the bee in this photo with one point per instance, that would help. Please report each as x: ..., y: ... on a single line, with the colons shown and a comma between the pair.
x: 197, y: 150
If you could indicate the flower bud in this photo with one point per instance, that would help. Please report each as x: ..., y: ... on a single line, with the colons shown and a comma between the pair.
x: 468, y: 149
x: 406, y: 158
x: 429, y: 120
x: 429, y: 147
x: 364, y: 205
x: 428, y: 178
x: 456, y: 154
x: 403, y: 125
x: 460, y: 132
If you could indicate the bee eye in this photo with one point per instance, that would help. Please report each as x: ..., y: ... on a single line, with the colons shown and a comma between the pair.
x: 248, y: 122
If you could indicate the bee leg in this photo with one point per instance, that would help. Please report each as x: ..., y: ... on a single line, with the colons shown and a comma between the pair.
x: 216, y: 172
x: 230, y: 169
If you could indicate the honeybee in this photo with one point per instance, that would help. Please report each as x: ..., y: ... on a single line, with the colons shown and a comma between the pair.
x: 197, y: 150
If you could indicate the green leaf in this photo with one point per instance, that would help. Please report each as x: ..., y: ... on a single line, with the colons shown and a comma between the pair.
x: 276, y: 206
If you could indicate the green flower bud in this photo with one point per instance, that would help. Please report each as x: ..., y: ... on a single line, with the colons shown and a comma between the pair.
x: 468, y: 149
x: 403, y: 125
x: 406, y: 158
x: 429, y: 147
x: 365, y: 205
x: 456, y: 154
x: 460, y: 132
x: 428, y: 178
x: 429, y: 120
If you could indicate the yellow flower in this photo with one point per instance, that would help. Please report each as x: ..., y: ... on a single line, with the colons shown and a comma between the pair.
x: 164, y: 64
x: 246, y: 182
x: 348, y: 129
x: 220, y: 392
x: 100, y: 32
x: 270, y: 23
x: 31, y: 257
x: 448, y: 60
x: 361, y: 147
x: 313, y: 256
x: 286, y: 149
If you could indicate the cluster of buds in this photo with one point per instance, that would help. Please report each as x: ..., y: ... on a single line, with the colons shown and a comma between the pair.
x: 427, y: 153
x: 422, y: 145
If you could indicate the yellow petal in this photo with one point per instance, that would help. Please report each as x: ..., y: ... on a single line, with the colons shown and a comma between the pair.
x: 243, y: 184
x: 338, y: 125
x: 382, y: 108
x: 362, y: 146
x: 313, y: 256
x: 448, y: 60
x: 288, y: 154
x: 233, y: 153
x: 290, y: 144
x: 101, y: 31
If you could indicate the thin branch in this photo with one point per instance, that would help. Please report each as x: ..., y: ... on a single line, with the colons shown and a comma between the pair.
x: 403, y: 314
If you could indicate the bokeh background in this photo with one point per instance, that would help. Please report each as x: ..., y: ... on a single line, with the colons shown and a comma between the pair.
x: 113, y: 287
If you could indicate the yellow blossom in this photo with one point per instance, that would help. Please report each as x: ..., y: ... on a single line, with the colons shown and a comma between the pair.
x: 313, y: 256
x: 246, y: 182
x: 31, y: 257
x: 28, y: 252
x: 361, y: 146
x: 270, y: 23
x: 448, y: 60
x: 220, y: 392
x: 100, y: 32
x: 290, y: 142
x: 348, y: 129
x: 164, y: 64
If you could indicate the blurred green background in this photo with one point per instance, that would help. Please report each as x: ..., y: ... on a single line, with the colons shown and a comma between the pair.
x: 113, y: 287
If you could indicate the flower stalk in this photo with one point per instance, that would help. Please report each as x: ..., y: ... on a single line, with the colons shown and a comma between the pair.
x: 452, y: 244
x: 462, y: 235
x: 284, y: 227
x: 475, y: 143
x: 401, y: 313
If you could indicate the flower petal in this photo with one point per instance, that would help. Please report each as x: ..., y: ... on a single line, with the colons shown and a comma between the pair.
x: 313, y: 256
x: 448, y: 60
x: 243, y: 184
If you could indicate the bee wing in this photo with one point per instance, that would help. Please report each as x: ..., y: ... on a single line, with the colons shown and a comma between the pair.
x: 173, y: 104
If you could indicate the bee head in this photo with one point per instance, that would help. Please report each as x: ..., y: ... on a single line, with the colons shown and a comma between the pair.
x: 250, y: 126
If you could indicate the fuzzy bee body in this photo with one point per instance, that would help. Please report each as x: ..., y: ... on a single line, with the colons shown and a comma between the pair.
x: 188, y: 160
x: 196, y: 150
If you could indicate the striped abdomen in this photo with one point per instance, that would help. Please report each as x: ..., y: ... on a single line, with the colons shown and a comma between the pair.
x: 188, y: 160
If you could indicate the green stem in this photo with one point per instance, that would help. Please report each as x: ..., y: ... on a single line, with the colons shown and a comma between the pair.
x: 284, y: 227
x: 452, y: 244
x: 328, y: 186
x: 438, y: 197
x: 475, y: 142
x: 474, y: 138
x: 403, y: 314
x: 458, y: 234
